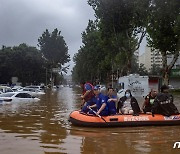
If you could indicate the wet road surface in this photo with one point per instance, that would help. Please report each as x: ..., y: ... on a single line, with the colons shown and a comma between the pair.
x: 43, y: 128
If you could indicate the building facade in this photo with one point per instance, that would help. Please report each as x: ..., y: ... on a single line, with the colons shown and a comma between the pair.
x: 150, y: 58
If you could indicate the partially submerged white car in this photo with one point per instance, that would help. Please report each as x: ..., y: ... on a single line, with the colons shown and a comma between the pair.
x: 33, y: 92
x: 15, y: 97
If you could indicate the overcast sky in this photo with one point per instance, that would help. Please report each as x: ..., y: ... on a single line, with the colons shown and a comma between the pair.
x: 24, y: 21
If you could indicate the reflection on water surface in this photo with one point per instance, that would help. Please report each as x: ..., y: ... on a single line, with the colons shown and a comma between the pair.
x: 43, y: 128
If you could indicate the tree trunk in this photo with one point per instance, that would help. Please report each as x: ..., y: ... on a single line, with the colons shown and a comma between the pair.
x: 165, y: 76
x: 167, y: 68
x: 129, y: 59
x: 128, y: 66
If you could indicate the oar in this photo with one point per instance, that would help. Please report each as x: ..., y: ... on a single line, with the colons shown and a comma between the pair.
x: 97, y: 114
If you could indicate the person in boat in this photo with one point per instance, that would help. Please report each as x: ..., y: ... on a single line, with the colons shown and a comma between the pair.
x: 111, y: 101
x: 87, y: 96
x: 149, y: 101
x: 128, y: 104
x: 100, y: 106
x: 163, y: 103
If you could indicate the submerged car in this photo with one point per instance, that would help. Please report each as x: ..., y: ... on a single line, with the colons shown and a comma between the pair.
x: 33, y: 92
x: 17, y: 88
x: 40, y: 88
x: 15, y: 97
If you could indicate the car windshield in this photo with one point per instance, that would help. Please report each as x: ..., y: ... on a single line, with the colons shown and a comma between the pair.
x: 34, y: 87
x: 6, y: 95
x: 29, y: 89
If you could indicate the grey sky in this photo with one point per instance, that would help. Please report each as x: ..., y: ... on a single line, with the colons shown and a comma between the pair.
x: 24, y: 21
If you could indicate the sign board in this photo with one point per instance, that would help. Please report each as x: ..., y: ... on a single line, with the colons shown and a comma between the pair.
x: 138, y: 85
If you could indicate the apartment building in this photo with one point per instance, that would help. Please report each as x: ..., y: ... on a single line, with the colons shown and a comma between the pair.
x: 150, y: 58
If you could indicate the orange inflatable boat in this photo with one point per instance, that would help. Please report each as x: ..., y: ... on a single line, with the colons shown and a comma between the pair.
x: 79, y: 119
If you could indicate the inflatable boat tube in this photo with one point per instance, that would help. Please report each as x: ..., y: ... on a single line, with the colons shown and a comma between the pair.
x: 80, y: 119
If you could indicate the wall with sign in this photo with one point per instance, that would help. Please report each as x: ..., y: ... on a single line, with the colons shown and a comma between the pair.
x: 138, y: 85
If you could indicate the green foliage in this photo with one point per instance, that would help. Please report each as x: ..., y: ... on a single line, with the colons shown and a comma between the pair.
x: 110, y: 42
x: 89, y: 56
x: 163, y: 25
x: 142, y: 70
x: 155, y: 70
x: 54, y: 48
x: 22, y: 61
x: 163, y: 30
x: 5, y: 64
x: 120, y: 27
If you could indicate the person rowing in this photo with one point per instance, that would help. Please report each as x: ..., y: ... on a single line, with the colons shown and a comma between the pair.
x: 87, y: 96
x: 100, y: 106
x: 111, y: 101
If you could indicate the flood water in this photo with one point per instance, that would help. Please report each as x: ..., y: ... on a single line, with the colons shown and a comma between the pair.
x: 43, y: 128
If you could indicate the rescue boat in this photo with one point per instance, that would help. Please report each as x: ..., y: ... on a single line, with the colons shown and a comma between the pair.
x: 79, y: 119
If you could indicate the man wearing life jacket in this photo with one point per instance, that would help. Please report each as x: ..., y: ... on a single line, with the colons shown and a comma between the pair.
x: 149, y: 101
x: 163, y: 103
x: 87, y: 95
x: 100, y: 106
x: 111, y: 101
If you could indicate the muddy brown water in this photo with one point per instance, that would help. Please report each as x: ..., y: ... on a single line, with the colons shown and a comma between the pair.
x: 43, y: 128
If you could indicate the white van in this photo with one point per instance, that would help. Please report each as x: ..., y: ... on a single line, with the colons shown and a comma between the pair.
x: 139, y: 85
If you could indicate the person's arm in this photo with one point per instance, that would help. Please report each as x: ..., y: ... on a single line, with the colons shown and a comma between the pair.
x: 112, y: 99
x: 101, y: 108
x: 82, y: 102
x: 86, y: 93
x: 155, y: 106
x: 144, y: 104
x: 92, y: 106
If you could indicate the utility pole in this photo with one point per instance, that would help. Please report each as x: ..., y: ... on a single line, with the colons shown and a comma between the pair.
x: 46, y: 77
x: 112, y: 74
x: 51, y: 79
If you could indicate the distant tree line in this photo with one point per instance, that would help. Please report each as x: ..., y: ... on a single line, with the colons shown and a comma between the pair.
x: 34, y: 66
x: 109, y: 42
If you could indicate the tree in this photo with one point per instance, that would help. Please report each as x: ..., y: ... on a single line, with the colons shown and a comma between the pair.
x: 163, y: 30
x: 109, y: 43
x: 5, y: 64
x: 54, y: 48
x: 89, y: 56
x: 120, y: 23
x: 142, y: 70
x: 155, y: 70
x: 24, y: 62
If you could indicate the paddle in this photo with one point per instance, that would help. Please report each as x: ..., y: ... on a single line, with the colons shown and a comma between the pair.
x: 97, y: 114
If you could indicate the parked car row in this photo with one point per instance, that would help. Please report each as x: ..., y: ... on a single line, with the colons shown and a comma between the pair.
x: 14, y: 97
x: 20, y: 94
